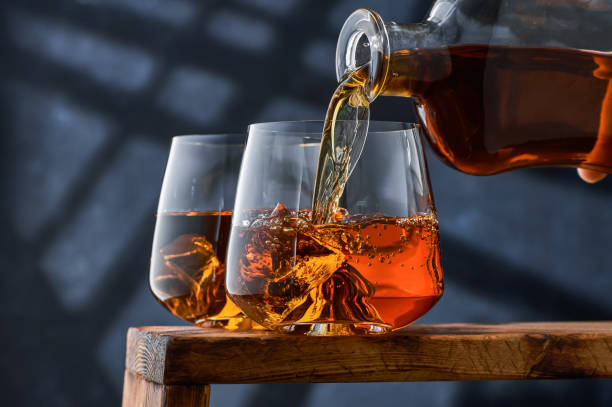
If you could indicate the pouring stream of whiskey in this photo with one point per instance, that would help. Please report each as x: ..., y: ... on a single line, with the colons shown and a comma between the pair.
x: 344, y: 134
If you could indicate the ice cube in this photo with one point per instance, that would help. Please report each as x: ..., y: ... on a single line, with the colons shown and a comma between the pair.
x: 192, y: 256
x: 188, y: 273
x: 282, y: 263
x: 343, y: 297
x: 280, y: 210
x: 337, y: 237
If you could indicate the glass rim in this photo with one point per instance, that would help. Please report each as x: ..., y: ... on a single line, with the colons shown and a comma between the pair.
x: 214, y: 139
x: 269, y: 127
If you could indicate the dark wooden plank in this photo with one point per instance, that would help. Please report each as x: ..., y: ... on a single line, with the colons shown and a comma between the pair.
x: 174, y: 355
x: 138, y: 392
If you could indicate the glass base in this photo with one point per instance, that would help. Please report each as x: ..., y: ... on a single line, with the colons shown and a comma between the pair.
x: 238, y: 323
x: 336, y: 329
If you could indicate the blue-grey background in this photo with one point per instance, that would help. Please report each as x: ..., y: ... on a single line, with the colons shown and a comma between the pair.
x: 93, y: 90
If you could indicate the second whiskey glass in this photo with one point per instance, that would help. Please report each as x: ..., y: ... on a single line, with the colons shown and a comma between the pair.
x: 374, y: 268
x: 187, y: 272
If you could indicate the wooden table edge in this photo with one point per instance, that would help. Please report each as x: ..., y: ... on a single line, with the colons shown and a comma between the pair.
x: 441, y: 352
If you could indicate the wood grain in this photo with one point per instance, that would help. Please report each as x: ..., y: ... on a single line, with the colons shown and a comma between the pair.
x: 146, y: 353
x: 184, y: 355
x: 138, y: 392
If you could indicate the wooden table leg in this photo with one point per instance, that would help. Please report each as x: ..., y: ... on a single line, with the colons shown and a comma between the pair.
x: 138, y: 392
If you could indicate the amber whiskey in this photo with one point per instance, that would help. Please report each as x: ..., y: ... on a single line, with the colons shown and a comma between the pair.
x: 359, y: 269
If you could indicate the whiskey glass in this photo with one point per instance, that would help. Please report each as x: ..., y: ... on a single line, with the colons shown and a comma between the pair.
x: 374, y: 268
x: 192, y: 229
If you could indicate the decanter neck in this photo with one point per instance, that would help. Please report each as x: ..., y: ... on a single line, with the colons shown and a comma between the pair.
x: 366, y: 39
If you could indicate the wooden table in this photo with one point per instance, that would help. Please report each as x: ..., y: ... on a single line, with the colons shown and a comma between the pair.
x: 174, y: 366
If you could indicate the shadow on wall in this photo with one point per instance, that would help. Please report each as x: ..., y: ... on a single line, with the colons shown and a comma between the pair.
x: 95, y: 90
